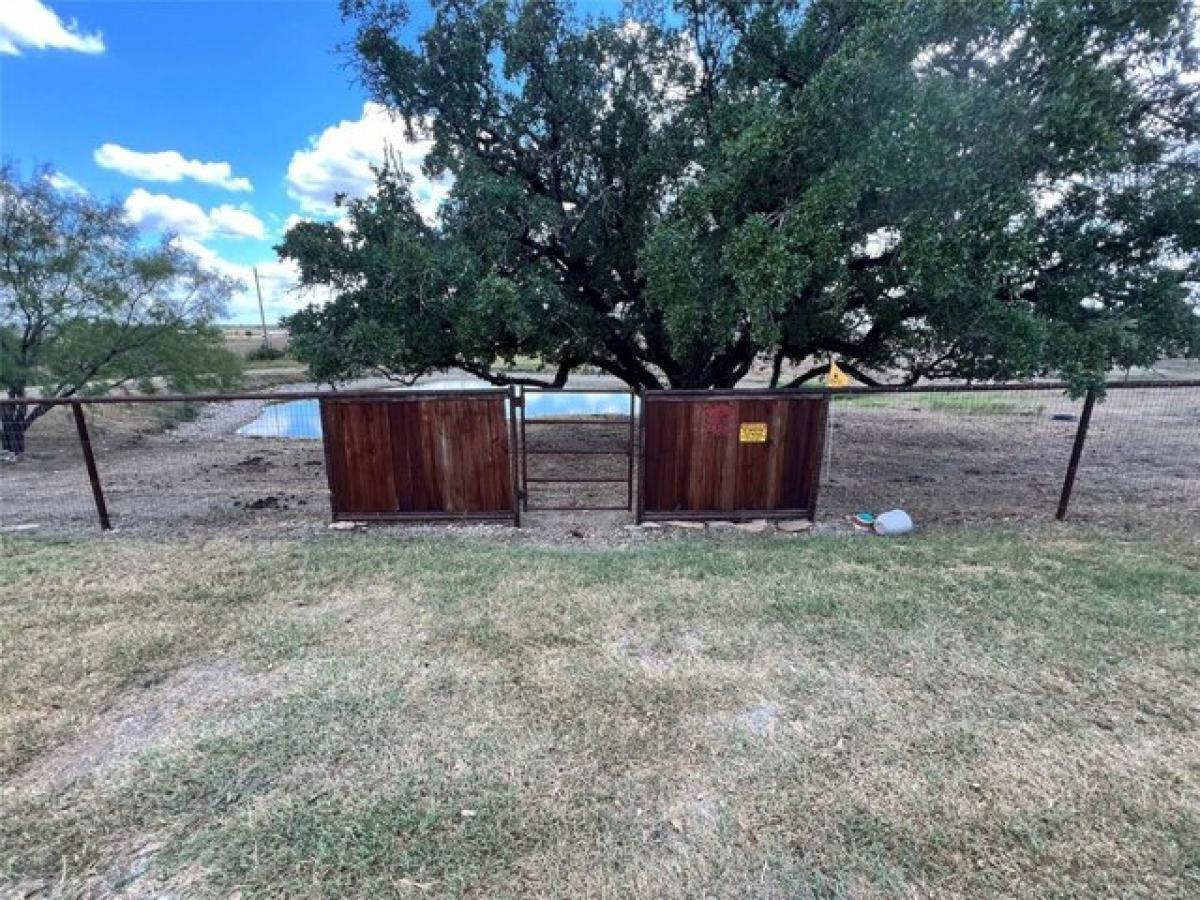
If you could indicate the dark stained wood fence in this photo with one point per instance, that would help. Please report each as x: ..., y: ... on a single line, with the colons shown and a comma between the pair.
x: 421, y: 456
x: 731, y: 455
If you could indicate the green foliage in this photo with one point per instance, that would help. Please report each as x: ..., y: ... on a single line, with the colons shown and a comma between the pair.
x: 265, y: 353
x: 168, y: 415
x: 928, y: 188
x: 86, y: 308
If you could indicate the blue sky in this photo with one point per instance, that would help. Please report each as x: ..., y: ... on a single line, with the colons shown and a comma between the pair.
x: 216, y: 120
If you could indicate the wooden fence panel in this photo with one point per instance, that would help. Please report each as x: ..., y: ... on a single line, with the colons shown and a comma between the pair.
x: 419, y: 457
x: 358, y: 455
x: 731, y: 454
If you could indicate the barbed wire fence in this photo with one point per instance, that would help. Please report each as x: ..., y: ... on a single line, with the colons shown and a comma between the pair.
x: 950, y: 457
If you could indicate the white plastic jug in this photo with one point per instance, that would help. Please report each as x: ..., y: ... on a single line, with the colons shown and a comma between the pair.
x: 894, y: 521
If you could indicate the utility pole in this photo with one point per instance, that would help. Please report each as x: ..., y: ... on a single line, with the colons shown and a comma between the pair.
x: 262, y: 315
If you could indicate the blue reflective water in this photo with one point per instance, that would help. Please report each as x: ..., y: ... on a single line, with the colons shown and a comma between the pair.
x: 539, y: 405
x: 301, y: 419
x: 293, y: 419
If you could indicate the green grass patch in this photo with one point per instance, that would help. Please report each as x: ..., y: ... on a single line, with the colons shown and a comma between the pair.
x: 969, y: 402
x: 371, y: 714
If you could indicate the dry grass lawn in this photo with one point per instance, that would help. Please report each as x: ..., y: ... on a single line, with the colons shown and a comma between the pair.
x: 370, y: 715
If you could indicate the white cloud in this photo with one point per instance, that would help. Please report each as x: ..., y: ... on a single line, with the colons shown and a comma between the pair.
x: 192, y: 225
x: 32, y: 24
x: 278, y: 280
x: 290, y: 221
x: 342, y: 221
x: 237, y: 222
x: 667, y: 77
x: 168, y: 165
x: 339, y: 161
x: 158, y: 212
x: 65, y: 183
x: 162, y: 213
x: 877, y: 243
x: 1192, y: 76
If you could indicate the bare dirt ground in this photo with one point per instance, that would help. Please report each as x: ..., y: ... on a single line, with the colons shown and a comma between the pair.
x: 952, y: 461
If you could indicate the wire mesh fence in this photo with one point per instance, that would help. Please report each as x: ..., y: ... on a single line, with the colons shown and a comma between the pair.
x: 172, y: 465
x: 951, y: 458
x: 1141, y: 460
x: 1001, y: 455
x: 47, y: 483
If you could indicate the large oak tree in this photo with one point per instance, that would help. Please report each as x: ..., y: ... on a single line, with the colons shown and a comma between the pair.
x: 975, y: 189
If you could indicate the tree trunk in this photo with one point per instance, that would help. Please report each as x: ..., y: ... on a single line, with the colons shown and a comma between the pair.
x: 12, y: 428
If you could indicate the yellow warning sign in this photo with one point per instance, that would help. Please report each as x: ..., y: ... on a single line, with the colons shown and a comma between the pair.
x: 753, y: 433
x: 836, y: 377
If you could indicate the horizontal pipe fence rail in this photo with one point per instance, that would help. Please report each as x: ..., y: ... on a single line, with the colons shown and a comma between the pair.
x: 749, y: 393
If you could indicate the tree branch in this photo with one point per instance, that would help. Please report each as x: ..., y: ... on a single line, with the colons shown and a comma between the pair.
x: 817, y: 371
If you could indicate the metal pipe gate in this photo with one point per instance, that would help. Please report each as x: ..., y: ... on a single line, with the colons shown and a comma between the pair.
x: 520, y: 408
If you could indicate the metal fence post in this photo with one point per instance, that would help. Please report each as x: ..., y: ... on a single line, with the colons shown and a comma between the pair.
x: 516, y: 402
x: 89, y: 460
x: 525, y: 451
x: 826, y: 435
x: 1085, y: 419
x: 640, y: 513
x: 632, y: 450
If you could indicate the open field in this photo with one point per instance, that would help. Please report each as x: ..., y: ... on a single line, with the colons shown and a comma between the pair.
x: 242, y: 339
x: 245, y: 341
x: 364, y: 715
